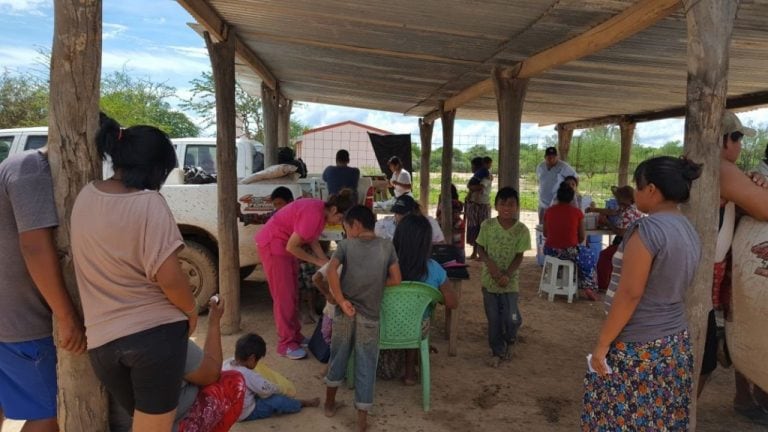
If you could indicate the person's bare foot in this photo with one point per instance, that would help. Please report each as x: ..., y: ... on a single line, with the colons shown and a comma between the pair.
x: 362, y: 421
x: 314, y: 402
x: 332, y: 408
x: 509, y: 352
x: 494, y: 361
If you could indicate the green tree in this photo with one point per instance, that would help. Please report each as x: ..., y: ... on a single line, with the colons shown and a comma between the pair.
x: 132, y: 101
x: 248, y: 108
x: 23, y: 100
x: 597, y: 151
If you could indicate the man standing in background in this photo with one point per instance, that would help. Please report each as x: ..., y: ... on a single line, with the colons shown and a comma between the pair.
x: 551, y: 173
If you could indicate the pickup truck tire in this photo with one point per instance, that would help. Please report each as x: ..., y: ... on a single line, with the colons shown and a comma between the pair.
x: 246, y: 271
x: 199, y: 264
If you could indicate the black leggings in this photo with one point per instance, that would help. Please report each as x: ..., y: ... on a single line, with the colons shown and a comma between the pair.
x: 143, y: 371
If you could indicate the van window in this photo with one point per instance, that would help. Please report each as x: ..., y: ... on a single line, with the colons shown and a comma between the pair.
x: 203, y: 156
x: 35, y: 142
x: 5, y: 146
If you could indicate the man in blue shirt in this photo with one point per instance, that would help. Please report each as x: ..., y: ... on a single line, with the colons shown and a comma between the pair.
x: 341, y: 175
x: 550, y: 173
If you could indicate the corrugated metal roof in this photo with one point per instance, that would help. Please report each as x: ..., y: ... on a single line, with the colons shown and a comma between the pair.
x: 405, y: 56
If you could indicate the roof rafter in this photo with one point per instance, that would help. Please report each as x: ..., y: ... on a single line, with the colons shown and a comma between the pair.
x: 634, y: 19
x: 204, y: 14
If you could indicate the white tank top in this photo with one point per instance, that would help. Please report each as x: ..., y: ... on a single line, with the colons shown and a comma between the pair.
x: 725, y: 233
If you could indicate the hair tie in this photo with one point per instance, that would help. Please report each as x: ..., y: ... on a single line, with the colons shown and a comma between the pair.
x: 120, y: 134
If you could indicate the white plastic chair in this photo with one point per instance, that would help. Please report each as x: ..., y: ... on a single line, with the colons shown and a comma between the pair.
x: 558, y: 277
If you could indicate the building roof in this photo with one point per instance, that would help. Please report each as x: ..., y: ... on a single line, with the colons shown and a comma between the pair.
x: 348, y: 122
x: 405, y: 56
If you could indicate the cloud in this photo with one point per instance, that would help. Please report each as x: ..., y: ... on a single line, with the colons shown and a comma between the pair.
x: 154, y: 20
x: 158, y: 62
x: 111, y: 31
x: 193, y: 52
x: 24, y: 7
x: 14, y: 57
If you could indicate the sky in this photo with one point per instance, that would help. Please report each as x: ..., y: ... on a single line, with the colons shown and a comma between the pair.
x: 151, y: 39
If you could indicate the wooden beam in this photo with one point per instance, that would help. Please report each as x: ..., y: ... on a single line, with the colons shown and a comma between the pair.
x: 510, y: 96
x: 746, y: 100
x: 219, y: 30
x: 222, y: 56
x: 564, y: 138
x: 627, y: 136
x: 425, y: 132
x: 75, y: 76
x: 446, y: 204
x: 710, y: 25
x: 634, y: 19
x: 269, y: 102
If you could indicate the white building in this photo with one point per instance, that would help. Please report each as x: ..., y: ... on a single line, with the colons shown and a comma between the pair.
x: 318, y: 146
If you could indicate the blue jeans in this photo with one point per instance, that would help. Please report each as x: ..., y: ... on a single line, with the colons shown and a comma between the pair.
x: 275, y: 404
x: 503, y: 320
x: 362, y: 335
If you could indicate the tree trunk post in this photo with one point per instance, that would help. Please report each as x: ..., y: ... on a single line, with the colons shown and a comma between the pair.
x: 425, y: 132
x: 710, y: 24
x: 627, y: 136
x: 269, y: 103
x: 222, y: 56
x: 284, y: 122
x: 72, y: 127
x: 446, y: 207
x: 564, y: 138
x: 510, y: 96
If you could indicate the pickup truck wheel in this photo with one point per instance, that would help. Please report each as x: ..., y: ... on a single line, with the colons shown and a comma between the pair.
x: 199, y: 264
x: 246, y: 271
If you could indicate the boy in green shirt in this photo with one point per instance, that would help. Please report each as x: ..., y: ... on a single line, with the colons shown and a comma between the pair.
x: 501, y: 243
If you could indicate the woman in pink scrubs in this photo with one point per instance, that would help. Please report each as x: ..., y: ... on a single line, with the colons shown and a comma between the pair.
x: 281, y: 241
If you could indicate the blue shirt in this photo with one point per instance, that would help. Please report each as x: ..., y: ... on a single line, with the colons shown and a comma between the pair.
x: 436, y: 275
x: 340, y: 177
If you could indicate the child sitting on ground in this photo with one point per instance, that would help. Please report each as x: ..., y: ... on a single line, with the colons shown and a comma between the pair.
x: 262, y: 398
x: 501, y: 243
x: 370, y: 264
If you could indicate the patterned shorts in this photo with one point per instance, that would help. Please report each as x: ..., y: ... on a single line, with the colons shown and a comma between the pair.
x: 649, y: 389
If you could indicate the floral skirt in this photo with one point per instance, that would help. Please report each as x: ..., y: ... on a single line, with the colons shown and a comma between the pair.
x: 584, y: 259
x: 217, y: 406
x: 476, y: 214
x: 649, y: 388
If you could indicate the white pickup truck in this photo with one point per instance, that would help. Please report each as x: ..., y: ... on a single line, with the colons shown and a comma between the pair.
x: 194, y: 206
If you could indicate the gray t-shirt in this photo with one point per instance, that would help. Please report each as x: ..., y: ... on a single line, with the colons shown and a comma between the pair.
x: 550, y: 179
x: 674, y: 245
x: 366, y: 265
x: 26, y: 204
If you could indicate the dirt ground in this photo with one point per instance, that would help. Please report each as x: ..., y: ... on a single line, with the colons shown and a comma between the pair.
x: 540, y: 389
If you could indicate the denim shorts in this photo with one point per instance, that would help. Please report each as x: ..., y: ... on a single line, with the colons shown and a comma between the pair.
x: 28, y: 379
x: 143, y: 371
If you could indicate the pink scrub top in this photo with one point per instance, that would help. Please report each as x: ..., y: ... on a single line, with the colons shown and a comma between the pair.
x: 305, y: 217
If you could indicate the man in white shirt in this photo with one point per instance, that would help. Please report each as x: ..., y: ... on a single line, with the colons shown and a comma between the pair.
x: 551, y: 173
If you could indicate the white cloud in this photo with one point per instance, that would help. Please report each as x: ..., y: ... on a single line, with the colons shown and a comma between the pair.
x: 21, y: 7
x: 17, y: 57
x: 154, y: 20
x: 111, y: 31
x: 160, y: 63
x: 193, y: 52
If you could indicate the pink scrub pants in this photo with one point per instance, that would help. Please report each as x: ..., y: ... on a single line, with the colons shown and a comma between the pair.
x: 282, y: 272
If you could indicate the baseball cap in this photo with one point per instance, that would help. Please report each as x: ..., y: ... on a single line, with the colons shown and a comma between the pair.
x: 731, y: 124
x: 550, y: 151
x: 404, y: 205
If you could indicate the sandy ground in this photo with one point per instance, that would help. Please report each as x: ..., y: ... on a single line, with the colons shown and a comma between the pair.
x: 540, y: 389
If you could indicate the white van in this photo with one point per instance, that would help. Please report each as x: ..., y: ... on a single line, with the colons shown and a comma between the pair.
x: 195, y: 152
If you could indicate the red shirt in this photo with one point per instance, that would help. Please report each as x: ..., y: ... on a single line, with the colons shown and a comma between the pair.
x: 562, y: 222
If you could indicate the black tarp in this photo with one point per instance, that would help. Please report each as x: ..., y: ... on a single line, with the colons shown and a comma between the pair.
x: 386, y: 146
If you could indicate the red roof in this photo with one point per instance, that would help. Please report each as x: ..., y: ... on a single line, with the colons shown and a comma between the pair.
x: 348, y: 122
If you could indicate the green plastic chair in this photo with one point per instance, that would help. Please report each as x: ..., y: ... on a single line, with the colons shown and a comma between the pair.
x: 402, y: 311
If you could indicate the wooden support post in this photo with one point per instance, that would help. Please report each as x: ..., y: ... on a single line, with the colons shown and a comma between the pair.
x: 75, y: 76
x: 425, y: 131
x: 564, y: 138
x: 446, y: 207
x: 510, y: 96
x: 710, y: 24
x: 284, y: 121
x: 269, y: 102
x: 222, y: 56
x: 627, y: 136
